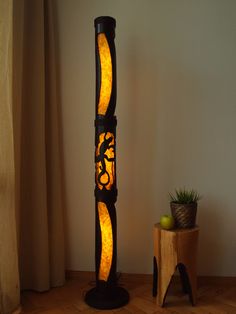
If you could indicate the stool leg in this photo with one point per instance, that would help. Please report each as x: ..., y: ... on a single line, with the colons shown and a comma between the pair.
x: 163, y: 290
x: 161, y: 282
x: 188, y: 279
x: 183, y: 277
x: 155, y: 277
x: 193, y: 285
x: 166, y: 257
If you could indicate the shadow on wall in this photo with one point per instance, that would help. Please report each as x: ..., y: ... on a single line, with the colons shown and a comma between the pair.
x: 137, y: 125
x: 211, y: 253
x: 139, y: 90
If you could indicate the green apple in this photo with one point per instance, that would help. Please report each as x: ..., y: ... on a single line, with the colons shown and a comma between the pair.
x: 167, y: 222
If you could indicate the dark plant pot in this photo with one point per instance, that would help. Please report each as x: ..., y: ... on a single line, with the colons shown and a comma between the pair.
x: 184, y: 214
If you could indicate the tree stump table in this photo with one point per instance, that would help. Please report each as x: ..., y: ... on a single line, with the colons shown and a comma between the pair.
x: 173, y: 249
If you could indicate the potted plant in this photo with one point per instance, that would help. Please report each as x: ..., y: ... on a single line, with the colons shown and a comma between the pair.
x: 184, y: 207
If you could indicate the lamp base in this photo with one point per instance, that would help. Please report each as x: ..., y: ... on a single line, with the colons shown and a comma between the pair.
x: 110, y: 299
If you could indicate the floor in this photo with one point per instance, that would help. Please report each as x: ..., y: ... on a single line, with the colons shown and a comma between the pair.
x: 214, y: 297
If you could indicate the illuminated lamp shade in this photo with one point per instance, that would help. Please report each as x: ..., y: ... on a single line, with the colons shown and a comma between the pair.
x: 107, y: 294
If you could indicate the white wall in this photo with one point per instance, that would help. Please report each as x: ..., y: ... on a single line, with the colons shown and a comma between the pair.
x: 176, y: 112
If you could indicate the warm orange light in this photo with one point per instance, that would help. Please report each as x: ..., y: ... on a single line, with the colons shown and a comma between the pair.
x: 107, y: 241
x: 106, y: 73
x: 105, y: 161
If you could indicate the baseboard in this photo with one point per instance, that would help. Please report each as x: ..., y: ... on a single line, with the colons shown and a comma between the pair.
x: 147, y: 278
x: 90, y: 276
x: 77, y: 274
x: 217, y: 280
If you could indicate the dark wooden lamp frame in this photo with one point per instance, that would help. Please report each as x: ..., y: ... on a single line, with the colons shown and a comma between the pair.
x: 106, y: 294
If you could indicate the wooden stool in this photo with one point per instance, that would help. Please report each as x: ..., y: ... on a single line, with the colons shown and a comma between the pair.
x: 175, y: 249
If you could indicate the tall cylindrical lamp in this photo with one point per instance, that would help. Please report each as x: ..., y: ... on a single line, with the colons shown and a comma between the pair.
x: 107, y: 294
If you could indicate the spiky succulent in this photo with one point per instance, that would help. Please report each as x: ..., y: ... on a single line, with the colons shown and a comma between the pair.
x: 184, y: 196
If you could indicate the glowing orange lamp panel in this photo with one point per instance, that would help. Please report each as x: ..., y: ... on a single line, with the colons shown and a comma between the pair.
x: 106, y: 73
x: 107, y: 241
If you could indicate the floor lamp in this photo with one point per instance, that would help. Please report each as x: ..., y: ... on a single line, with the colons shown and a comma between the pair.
x: 106, y: 294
